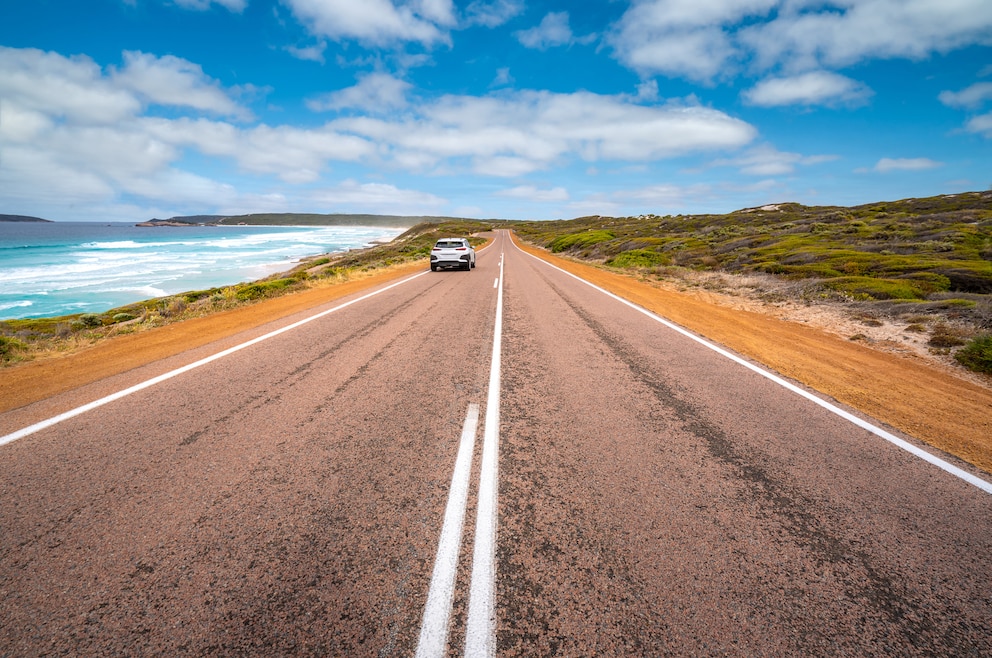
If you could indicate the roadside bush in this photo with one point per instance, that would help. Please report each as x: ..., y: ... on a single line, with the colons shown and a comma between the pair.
x: 977, y: 354
x: 579, y: 240
x: 122, y: 317
x: 8, y: 346
x: 866, y: 287
x: 946, y: 336
x: 639, y: 258
x: 90, y: 320
x: 262, y: 289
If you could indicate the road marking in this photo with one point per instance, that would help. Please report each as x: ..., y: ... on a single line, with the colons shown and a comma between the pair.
x: 480, y: 629
x: 31, y: 429
x: 437, y: 612
x: 877, y: 431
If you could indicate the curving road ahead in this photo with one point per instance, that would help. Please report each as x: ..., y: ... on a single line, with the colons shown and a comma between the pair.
x: 317, y: 492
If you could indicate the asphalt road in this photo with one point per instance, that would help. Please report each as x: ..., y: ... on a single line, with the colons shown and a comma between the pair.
x: 651, y: 496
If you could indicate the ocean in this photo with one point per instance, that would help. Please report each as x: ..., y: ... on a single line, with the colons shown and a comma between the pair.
x: 49, y: 269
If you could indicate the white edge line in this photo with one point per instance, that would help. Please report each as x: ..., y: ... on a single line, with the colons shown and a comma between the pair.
x: 437, y: 611
x: 480, y: 627
x: 891, y: 438
x: 31, y: 429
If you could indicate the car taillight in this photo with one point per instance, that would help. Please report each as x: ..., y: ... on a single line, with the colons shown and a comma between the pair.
x: 436, y: 249
x: 460, y: 248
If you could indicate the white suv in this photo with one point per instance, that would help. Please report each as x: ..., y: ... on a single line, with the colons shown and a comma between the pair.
x: 452, y: 252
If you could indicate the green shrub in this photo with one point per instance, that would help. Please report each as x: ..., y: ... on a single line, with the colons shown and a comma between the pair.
x: 866, y: 287
x: 945, y: 336
x: 90, y: 320
x: 977, y: 354
x: 639, y: 258
x: 122, y: 317
x: 8, y: 346
x: 263, y: 288
x: 928, y: 282
x: 579, y: 240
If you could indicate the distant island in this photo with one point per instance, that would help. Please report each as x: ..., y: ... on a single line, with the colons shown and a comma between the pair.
x: 299, y: 219
x: 22, y: 218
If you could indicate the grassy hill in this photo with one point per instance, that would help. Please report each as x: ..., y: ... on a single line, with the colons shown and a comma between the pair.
x: 924, y: 259
x: 894, y: 250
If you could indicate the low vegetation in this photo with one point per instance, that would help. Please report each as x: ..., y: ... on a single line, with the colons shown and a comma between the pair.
x: 26, y: 339
x: 925, y: 263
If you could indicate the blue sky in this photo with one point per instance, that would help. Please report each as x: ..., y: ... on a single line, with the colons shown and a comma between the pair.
x: 525, y: 109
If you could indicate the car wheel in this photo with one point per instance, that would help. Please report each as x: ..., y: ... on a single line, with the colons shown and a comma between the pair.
x: 433, y: 268
x: 473, y: 263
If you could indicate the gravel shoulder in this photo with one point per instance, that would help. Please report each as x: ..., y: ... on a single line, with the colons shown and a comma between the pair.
x: 920, y: 397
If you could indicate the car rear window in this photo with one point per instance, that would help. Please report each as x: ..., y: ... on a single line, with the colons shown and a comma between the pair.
x: 450, y: 244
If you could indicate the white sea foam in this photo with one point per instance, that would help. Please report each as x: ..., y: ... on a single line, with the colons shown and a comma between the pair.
x: 22, y: 304
x: 58, y: 275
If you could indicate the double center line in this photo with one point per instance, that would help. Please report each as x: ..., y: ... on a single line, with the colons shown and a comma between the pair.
x: 480, y: 630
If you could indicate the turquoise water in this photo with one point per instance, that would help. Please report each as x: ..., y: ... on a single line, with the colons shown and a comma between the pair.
x: 61, y: 268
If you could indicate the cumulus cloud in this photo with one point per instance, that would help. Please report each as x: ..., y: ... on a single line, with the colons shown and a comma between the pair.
x: 971, y: 97
x: 376, y: 22
x: 492, y: 13
x: 885, y: 165
x: 174, y: 81
x: 551, y: 32
x: 813, y: 88
x: 981, y: 124
x: 58, y: 87
x: 840, y: 36
x: 312, y: 53
x: 515, y: 134
x: 765, y: 160
x: 202, y: 5
x: 532, y: 193
x: 688, y: 38
x: 83, y: 134
x: 705, y: 39
x: 375, y: 93
x: 376, y: 197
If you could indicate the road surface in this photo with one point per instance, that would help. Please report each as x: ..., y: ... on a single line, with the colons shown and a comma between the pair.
x: 505, y: 461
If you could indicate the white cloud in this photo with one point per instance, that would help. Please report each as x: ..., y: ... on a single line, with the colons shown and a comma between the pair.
x: 174, y: 81
x: 314, y: 53
x: 377, y: 197
x: 705, y: 39
x: 552, y: 31
x: 517, y: 133
x: 202, y: 5
x: 813, y: 88
x: 502, y: 78
x: 664, y: 194
x: 375, y: 22
x: 682, y: 37
x: 765, y: 160
x: 69, y: 88
x: 886, y: 165
x: 375, y: 93
x: 492, y: 13
x: 532, y: 193
x: 971, y: 97
x: 981, y: 124
x: 295, y: 155
x: 846, y: 33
